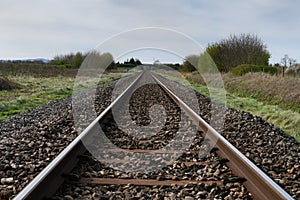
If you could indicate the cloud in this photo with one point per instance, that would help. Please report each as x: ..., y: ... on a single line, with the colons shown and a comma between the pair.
x: 45, y: 28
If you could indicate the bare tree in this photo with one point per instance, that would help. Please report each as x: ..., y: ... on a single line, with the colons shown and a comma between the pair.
x: 286, y: 61
x: 292, y: 62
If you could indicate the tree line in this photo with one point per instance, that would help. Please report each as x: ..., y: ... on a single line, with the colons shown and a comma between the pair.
x: 223, y: 55
x: 75, y: 60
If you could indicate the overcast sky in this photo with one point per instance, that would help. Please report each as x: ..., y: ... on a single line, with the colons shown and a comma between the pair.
x: 46, y: 28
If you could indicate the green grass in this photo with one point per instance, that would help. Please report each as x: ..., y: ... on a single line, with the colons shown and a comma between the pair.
x: 39, y: 91
x: 286, y: 119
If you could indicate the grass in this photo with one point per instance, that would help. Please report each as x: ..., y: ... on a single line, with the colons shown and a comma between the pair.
x: 39, y: 91
x: 35, y: 92
x: 272, y: 90
x: 286, y: 119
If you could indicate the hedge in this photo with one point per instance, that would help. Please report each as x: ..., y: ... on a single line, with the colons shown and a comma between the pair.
x: 245, y: 68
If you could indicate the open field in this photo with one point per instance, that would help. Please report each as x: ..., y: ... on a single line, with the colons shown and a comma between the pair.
x: 282, y: 110
x: 35, y: 70
x: 38, y: 91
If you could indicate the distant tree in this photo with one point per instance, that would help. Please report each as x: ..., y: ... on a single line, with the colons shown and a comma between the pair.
x: 95, y: 61
x: 107, y: 60
x: 286, y: 61
x: 70, y: 60
x: 78, y: 59
x: 190, y: 63
x: 156, y: 62
x: 237, y: 50
x: 138, y: 62
x: 276, y: 65
x: 206, y: 64
x: 133, y: 62
x: 292, y: 62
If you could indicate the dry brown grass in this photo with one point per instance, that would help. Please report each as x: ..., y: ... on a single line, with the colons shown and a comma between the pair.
x: 284, y: 92
x: 35, y: 70
x: 6, y: 84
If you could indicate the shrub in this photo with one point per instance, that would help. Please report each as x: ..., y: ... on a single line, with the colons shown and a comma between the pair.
x: 238, y: 49
x: 245, y: 68
x: 190, y: 63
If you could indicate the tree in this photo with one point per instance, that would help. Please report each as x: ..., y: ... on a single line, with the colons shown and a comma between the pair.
x: 138, y: 62
x: 206, y: 64
x: 237, y: 50
x: 133, y: 62
x: 292, y: 62
x: 95, y: 61
x: 78, y: 59
x: 156, y: 62
x: 70, y: 60
x: 216, y: 53
x: 285, y: 61
x: 107, y: 60
x: 190, y: 64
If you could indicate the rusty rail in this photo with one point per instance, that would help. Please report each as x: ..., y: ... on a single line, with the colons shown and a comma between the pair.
x: 258, y: 183
x: 48, y: 181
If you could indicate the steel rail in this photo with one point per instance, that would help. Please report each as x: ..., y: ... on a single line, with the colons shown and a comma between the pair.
x: 46, y: 183
x: 258, y: 183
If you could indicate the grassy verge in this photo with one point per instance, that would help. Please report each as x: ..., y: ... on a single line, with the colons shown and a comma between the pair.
x: 286, y: 119
x: 272, y: 90
x: 39, y: 91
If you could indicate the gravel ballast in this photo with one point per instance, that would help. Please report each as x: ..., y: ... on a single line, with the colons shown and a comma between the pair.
x: 29, y: 141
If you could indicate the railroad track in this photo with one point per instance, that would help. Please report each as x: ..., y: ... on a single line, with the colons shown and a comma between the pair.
x: 223, y: 172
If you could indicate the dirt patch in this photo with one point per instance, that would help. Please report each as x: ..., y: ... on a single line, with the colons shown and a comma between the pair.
x: 8, y: 85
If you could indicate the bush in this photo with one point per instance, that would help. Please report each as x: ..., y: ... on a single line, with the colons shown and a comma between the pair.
x: 237, y: 50
x: 69, y: 60
x: 245, y: 68
x: 190, y: 63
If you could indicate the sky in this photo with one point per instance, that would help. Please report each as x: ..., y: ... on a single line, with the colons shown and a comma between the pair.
x: 46, y: 28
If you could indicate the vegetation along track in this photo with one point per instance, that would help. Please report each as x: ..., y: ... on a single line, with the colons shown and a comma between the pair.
x: 190, y: 176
